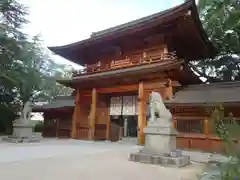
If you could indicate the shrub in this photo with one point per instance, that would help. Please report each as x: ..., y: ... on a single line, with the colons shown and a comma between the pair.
x: 39, y: 126
x: 228, y: 130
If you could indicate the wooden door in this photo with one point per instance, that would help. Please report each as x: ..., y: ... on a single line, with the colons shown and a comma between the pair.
x: 82, y: 124
x: 102, y: 116
x: 64, y: 127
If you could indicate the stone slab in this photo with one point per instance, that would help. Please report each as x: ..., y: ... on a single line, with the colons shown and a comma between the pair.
x: 35, y: 137
x: 14, y: 139
x: 175, y: 153
x: 168, y: 161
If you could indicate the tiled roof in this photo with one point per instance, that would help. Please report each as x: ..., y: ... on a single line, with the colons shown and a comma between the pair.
x: 134, y: 22
x: 76, y: 51
x: 131, y: 24
x: 58, y: 102
x: 225, y: 92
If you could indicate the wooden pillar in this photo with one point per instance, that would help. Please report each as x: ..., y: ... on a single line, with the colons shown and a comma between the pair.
x: 206, y: 126
x: 165, y: 50
x: 141, y: 114
x: 168, y: 94
x: 92, y: 115
x: 57, y: 128
x: 108, y: 125
x: 174, y: 122
x: 75, y: 114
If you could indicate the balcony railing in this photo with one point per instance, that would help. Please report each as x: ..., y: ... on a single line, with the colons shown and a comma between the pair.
x: 136, y: 60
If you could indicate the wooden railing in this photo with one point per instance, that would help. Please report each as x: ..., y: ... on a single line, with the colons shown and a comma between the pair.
x: 135, y: 60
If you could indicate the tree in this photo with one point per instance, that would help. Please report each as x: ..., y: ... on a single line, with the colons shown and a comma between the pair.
x: 50, y: 87
x: 227, y: 129
x: 38, y: 75
x: 221, y: 20
x: 26, y: 70
x: 12, y: 16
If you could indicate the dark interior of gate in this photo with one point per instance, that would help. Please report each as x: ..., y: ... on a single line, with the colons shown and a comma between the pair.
x: 119, y: 111
x: 124, y: 113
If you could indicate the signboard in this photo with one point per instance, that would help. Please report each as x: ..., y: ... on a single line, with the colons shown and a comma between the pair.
x: 116, y: 106
x: 123, y: 105
x: 128, y: 105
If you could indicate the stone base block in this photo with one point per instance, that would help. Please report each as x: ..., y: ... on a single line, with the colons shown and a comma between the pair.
x: 14, y: 139
x: 177, y: 161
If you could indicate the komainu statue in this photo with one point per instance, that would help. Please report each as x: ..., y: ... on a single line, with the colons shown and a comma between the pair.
x: 27, y: 109
x: 159, y: 114
x: 25, y: 116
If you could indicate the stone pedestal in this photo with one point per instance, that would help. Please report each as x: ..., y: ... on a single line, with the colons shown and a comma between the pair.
x: 23, y: 132
x: 160, y: 148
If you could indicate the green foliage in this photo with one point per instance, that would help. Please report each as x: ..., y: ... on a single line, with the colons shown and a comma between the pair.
x: 50, y: 87
x: 12, y: 16
x: 39, y: 127
x: 228, y: 130
x: 26, y: 70
x: 221, y: 20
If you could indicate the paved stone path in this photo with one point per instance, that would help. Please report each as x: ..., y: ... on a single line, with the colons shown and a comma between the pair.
x: 82, y: 160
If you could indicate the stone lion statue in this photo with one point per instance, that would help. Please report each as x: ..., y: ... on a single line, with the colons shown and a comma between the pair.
x: 158, y: 111
x: 27, y: 109
x: 25, y: 115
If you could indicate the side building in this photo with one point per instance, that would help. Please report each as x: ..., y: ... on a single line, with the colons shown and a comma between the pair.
x: 122, y: 65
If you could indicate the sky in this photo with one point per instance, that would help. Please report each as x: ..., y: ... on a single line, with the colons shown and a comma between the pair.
x: 60, y: 22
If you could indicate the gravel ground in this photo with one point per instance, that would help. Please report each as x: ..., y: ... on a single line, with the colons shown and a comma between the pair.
x: 82, y: 160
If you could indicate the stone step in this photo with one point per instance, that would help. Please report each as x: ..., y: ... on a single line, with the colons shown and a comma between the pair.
x: 128, y: 140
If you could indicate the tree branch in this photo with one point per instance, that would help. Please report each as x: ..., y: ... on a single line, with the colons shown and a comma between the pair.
x: 209, y: 79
